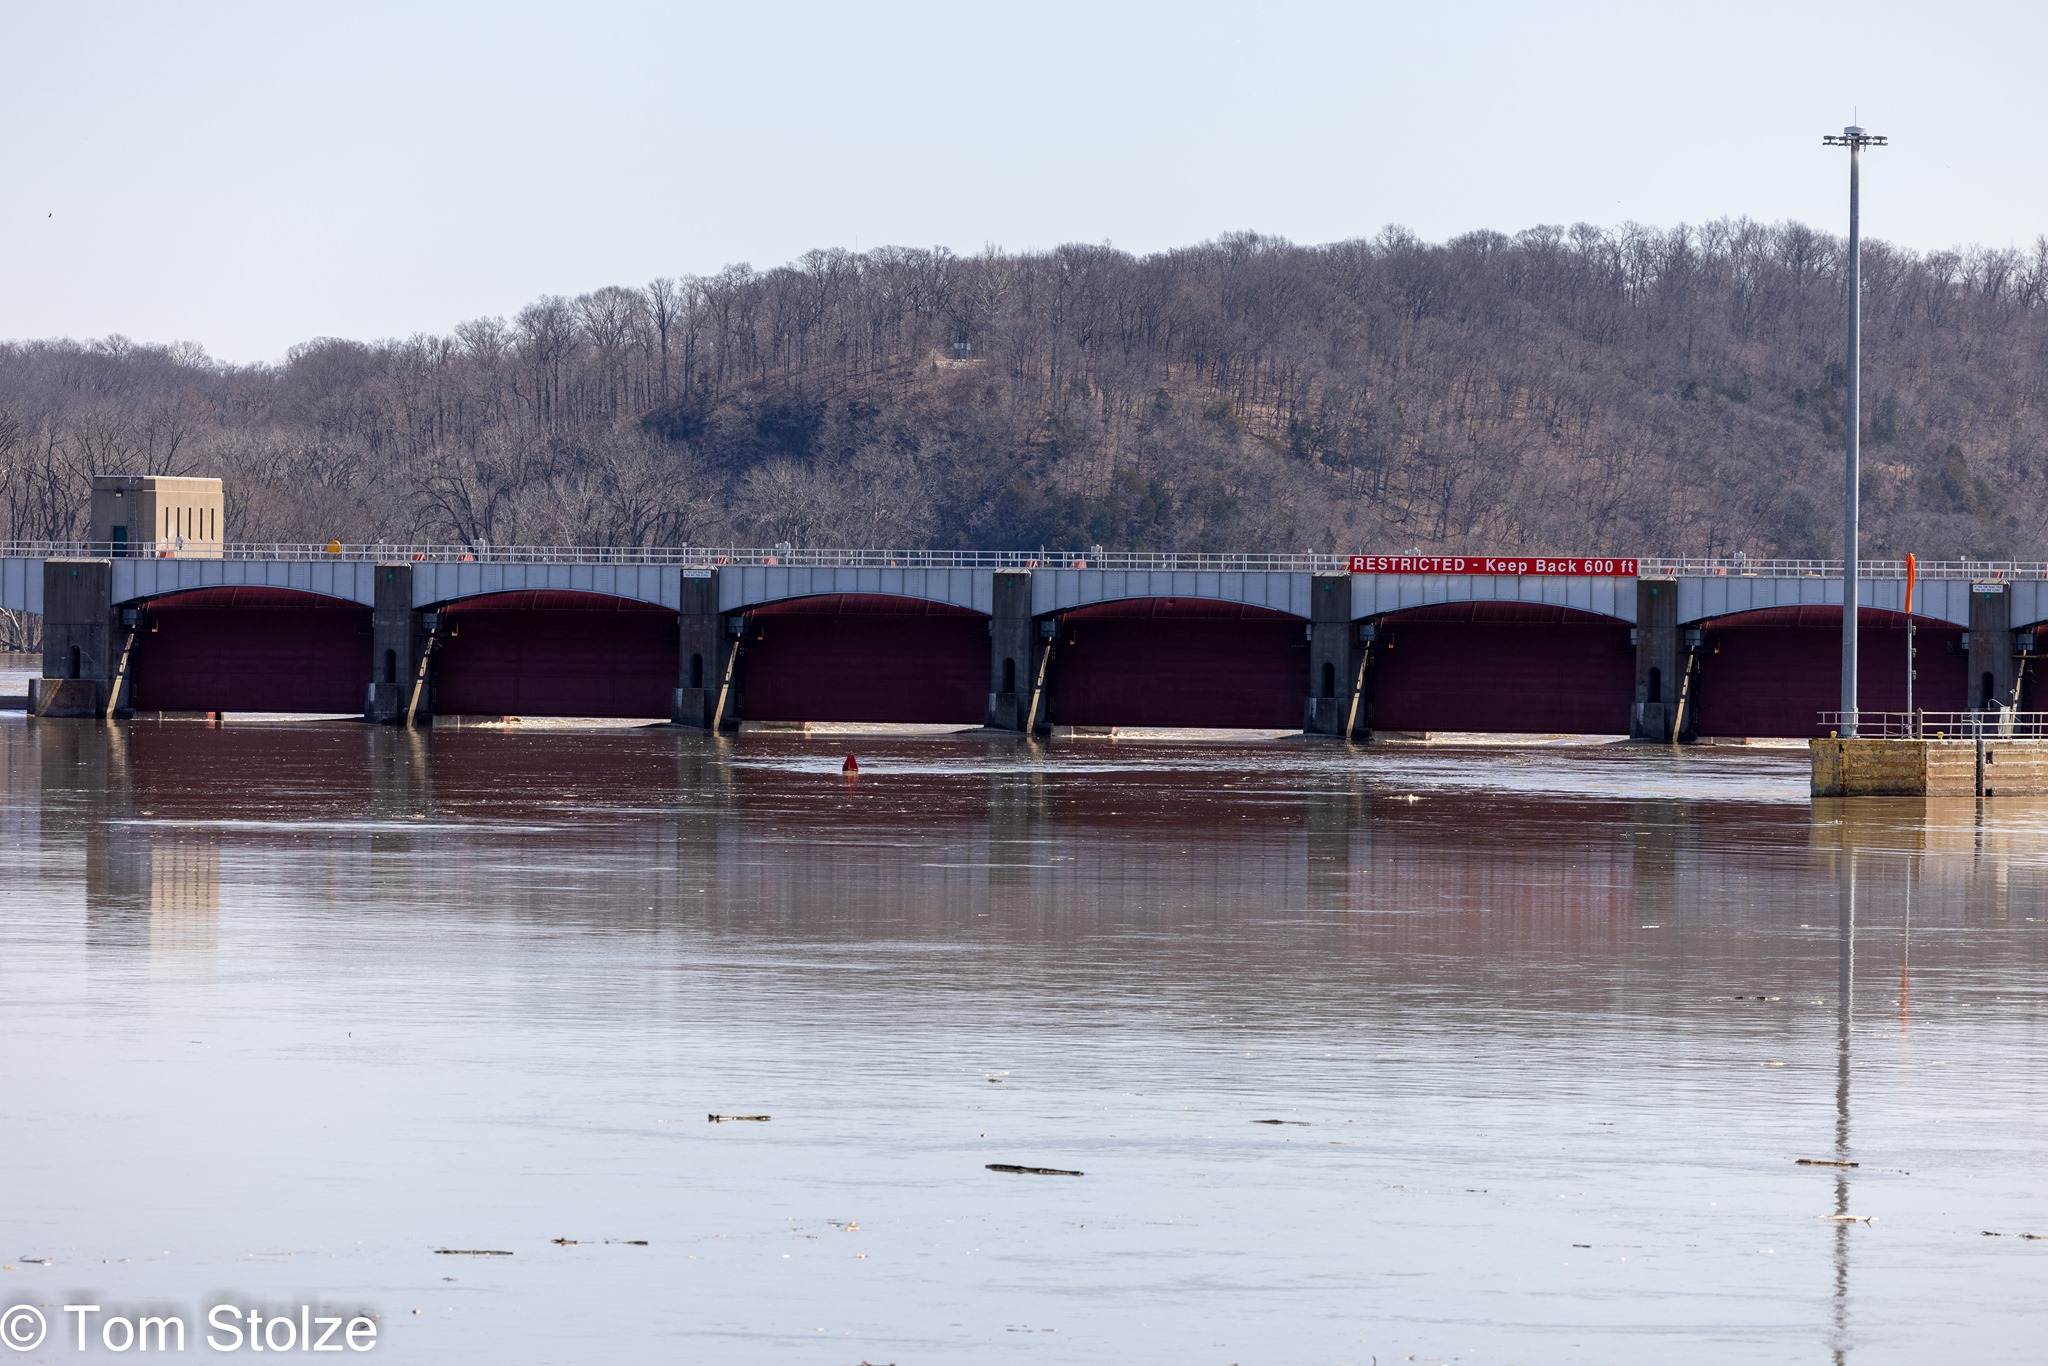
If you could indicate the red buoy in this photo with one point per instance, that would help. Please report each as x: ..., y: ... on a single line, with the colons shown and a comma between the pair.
x: 852, y: 765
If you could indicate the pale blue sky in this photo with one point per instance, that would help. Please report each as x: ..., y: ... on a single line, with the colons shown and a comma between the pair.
x: 251, y: 175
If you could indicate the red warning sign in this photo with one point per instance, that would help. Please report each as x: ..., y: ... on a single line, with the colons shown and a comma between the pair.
x: 1490, y: 564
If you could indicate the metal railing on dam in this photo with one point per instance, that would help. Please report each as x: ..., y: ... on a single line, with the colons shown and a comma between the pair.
x: 798, y: 557
x: 1995, y: 722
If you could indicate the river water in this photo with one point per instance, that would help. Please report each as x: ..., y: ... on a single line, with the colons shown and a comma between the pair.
x: 284, y: 1009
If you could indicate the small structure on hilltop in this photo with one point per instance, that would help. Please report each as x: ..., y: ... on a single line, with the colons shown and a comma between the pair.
x: 157, y: 515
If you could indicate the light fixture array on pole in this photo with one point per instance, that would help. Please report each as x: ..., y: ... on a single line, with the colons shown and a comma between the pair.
x: 1855, y: 139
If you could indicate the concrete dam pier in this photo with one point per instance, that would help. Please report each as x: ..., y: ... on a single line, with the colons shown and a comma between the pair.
x: 1358, y: 647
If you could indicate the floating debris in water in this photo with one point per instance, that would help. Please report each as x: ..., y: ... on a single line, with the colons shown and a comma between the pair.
x: 1015, y: 1170
x: 738, y: 1119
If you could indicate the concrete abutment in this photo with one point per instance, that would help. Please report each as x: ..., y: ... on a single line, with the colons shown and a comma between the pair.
x: 82, y: 642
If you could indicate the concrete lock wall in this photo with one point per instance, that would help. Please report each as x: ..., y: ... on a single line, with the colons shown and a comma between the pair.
x: 1929, y: 768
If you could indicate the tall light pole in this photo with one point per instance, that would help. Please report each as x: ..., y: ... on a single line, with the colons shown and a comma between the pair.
x: 1855, y: 139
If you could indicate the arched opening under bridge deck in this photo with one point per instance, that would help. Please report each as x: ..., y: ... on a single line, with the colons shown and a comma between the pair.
x: 865, y: 657
x: 552, y: 652
x: 1180, y: 662
x: 1519, y: 668
x: 1773, y: 672
x: 248, y: 649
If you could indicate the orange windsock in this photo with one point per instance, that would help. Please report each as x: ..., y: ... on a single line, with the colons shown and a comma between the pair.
x: 1912, y: 571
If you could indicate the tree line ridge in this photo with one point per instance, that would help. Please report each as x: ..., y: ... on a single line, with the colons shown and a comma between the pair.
x: 1560, y: 390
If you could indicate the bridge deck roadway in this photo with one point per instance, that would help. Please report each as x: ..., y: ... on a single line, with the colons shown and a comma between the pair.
x: 1700, y: 597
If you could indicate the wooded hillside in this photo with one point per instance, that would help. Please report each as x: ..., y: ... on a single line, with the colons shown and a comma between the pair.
x: 1564, y: 390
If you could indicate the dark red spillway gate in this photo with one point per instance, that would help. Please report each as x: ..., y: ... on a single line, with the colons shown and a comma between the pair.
x: 1509, y: 667
x: 1773, y: 672
x: 251, y: 649
x: 1180, y: 662
x: 865, y: 657
x: 550, y: 653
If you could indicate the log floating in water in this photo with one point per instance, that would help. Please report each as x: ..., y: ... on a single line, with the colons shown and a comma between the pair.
x: 1015, y: 1170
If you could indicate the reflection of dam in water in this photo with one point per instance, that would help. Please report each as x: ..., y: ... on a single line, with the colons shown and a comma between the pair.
x: 755, y: 839
x: 147, y: 883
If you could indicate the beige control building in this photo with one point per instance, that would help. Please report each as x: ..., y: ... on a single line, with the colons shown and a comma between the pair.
x: 157, y: 514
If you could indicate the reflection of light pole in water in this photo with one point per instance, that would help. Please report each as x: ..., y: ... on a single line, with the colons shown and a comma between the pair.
x: 1845, y: 988
x: 1906, y: 950
x: 1855, y: 139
